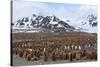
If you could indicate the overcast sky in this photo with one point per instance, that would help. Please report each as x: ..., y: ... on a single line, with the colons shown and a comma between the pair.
x: 27, y: 8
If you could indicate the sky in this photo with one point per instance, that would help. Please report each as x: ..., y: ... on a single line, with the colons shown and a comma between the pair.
x: 64, y: 11
x: 27, y: 8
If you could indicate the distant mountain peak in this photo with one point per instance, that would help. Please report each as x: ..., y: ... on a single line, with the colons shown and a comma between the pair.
x: 41, y: 23
x: 48, y: 23
x: 91, y: 20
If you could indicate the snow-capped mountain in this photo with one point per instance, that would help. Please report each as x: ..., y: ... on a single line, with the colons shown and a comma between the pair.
x: 87, y: 24
x: 38, y: 23
x: 41, y: 23
x: 91, y: 20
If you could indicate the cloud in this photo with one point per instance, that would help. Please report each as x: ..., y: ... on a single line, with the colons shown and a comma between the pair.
x: 26, y: 8
x: 65, y: 12
x: 87, y: 9
x: 81, y: 13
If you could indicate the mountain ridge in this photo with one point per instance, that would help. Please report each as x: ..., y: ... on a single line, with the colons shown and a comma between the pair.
x: 39, y: 23
x: 45, y: 23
